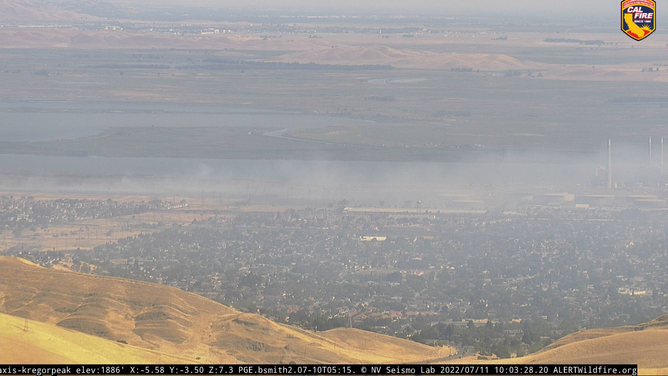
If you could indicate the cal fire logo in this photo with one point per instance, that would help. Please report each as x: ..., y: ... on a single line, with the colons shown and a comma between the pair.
x: 638, y: 18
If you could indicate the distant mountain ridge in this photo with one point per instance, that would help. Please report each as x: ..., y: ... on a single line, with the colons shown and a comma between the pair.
x: 27, y: 11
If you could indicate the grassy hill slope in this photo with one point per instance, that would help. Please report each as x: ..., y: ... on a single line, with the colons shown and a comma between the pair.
x: 645, y: 344
x: 172, y: 321
x: 31, y: 342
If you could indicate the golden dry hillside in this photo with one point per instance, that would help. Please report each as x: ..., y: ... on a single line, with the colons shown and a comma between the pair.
x: 165, y: 325
x: 644, y: 344
x: 172, y: 321
x: 380, y: 346
x: 31, y: 342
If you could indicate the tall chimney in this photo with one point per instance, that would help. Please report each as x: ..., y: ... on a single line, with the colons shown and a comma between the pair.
x: 650, y: 151
x: 661, y: 162
x: 609, y: 164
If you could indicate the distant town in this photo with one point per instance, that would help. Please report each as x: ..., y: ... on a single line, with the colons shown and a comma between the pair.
x: 523, y: 275
x: 482, y: 184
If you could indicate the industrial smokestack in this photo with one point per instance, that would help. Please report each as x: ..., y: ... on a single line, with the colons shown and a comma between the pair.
x: 650, y: 151
x: 609, y: 164
x: 661, y: 162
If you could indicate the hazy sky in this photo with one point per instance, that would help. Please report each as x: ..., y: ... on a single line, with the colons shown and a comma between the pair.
x: 523, y: 6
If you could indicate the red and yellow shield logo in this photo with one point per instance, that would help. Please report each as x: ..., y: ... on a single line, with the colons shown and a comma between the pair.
x: 638, y: 18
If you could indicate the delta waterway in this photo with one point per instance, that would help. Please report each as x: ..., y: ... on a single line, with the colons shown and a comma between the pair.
x: 45, y: 121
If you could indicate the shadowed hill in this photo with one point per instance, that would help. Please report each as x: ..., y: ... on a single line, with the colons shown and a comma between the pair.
x: 172, y: 321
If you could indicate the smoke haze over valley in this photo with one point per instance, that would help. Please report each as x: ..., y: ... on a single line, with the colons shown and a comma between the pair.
x: 332, y: 182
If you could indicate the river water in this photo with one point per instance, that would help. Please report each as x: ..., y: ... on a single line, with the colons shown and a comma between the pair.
x: 39, y: 121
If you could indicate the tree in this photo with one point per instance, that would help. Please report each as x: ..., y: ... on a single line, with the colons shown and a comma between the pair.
x: 502, y: 351
x: 527, y: 337
x: 449, y: 331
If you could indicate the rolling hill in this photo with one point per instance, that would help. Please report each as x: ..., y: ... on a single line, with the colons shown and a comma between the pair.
x: 644, y: 344
x: 29, y: 11
x: 148, y: 323
x: 31, y: 342
x: 170, y: 321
